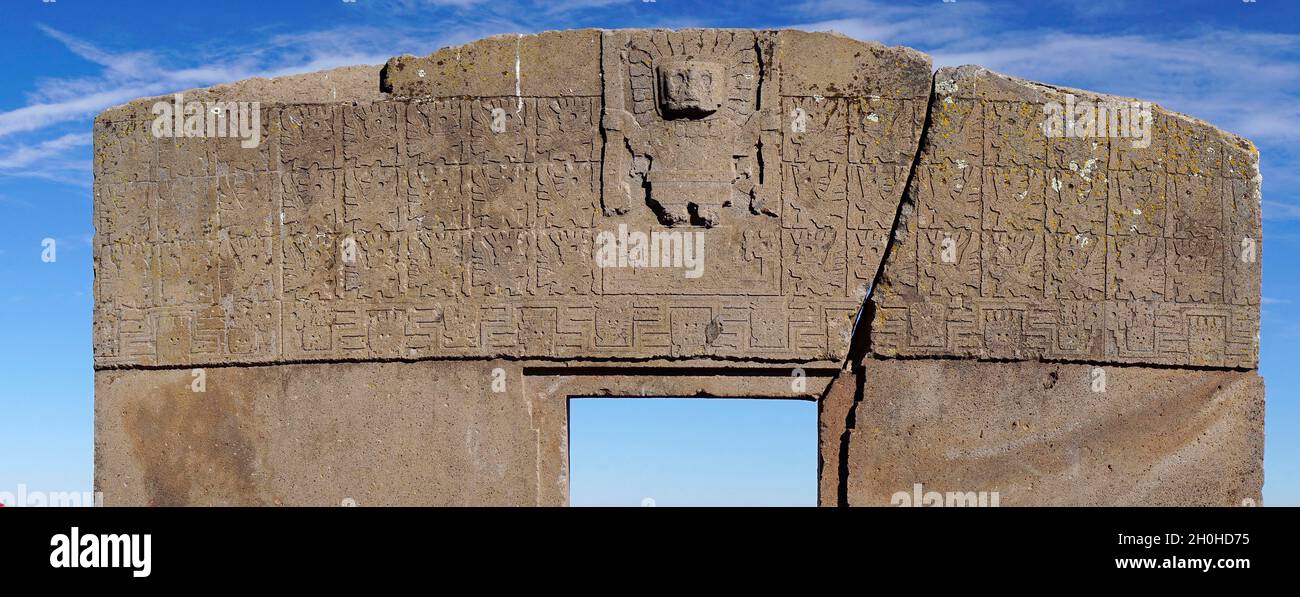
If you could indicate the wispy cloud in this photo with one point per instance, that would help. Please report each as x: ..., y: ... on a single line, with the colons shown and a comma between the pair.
x: 24, y: 156
x: 1201, y: 74
x: 1276, y: 210
x: 127, y: 64
x: 38, y: 144
x: 7, y: 200
x: 417, y: 5
x: 1245, y: 82
x: 131, y: 74
x: 60, y: 159
x: 892, y: 22
x: 125, y: 76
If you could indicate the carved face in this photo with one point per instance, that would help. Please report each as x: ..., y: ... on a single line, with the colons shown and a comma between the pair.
x: 691, y: 88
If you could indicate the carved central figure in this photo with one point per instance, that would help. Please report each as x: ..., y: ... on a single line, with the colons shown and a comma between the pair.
x: 685, y: 113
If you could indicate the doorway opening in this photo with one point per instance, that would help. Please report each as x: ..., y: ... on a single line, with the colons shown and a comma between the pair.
x: 668, y: 451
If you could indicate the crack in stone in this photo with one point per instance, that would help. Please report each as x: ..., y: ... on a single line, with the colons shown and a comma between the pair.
x: 860, y: 340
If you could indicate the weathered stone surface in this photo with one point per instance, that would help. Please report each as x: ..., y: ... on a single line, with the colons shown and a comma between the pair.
x: 460, y: 217
x: 1020, y: 245
x: 1040, y: 434
x: 550, y: 64
x: 375, y: 433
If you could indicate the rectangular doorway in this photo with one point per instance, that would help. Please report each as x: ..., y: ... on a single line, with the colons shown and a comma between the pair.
x: 692, y: 452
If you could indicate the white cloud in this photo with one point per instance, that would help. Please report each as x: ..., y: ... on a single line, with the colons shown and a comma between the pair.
x: 28, y: 155
x: 130, y: 75
x: 416, y: 5
x: 7, y: 200
x: 1247, y: 82
x: 47, y: 152
x: 1241, y: 82
x: 129, y: 64
x: 1276, y: 210
x: 39, y: 116
x: 63, y: 159
x: 125, y: 76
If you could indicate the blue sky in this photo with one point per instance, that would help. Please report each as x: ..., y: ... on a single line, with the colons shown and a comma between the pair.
x: 692, y: 452
x: 1233, y: 63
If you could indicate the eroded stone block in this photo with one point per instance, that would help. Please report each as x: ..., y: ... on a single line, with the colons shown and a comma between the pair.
x: 1057, y: 434
x: 380, y: 434
x: 1142, y: 218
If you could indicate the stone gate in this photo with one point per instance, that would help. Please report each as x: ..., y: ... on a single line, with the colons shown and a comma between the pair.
x: 390, y: 297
